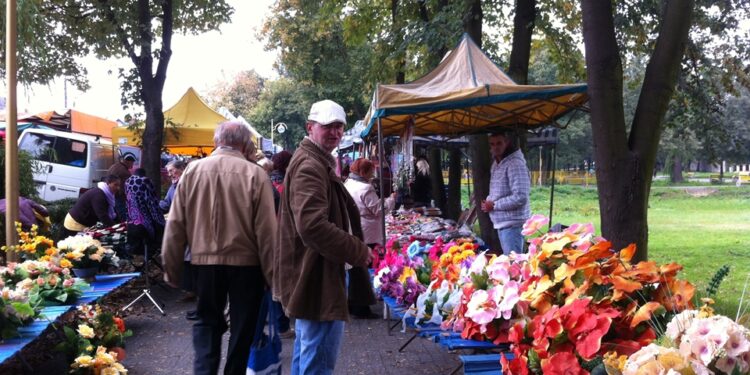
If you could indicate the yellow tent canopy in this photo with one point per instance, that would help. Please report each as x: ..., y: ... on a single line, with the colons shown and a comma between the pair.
x: 468, y: 93
x: 193, y: 131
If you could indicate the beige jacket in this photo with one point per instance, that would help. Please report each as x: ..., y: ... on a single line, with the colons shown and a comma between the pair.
x: 368, y: 203
x: 223, y: 209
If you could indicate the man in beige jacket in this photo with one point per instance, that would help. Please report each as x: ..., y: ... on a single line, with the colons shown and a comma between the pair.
x: 223, y: 209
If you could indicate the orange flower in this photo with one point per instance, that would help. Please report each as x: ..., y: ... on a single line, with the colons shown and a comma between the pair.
x: 675, y: 295
x: 120, y: 324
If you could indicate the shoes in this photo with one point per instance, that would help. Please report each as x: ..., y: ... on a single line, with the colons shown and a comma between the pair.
x: 188, y: 297
x: 289, y: 334
x: 191, y: 315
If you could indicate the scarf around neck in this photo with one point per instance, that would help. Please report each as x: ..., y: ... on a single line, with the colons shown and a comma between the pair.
x: 110, y: 199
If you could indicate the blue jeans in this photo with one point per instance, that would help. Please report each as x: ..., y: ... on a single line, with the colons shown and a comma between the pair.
x: 316, y: 346
x: 511, y: 239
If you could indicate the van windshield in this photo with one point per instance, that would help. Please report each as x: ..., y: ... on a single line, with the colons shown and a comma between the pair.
x: 52, y: 149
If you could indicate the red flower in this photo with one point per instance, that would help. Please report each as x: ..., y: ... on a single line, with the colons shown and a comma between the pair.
x: 564, y: 363
x: 120, y: 324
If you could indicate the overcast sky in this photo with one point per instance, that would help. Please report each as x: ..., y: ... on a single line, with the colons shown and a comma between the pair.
x: 199, y: 61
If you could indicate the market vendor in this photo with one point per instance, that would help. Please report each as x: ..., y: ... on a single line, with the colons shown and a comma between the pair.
x: 508, y: 201
x: 95, y: 205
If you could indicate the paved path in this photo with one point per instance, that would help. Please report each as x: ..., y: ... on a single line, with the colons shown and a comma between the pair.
x: 163, y: 345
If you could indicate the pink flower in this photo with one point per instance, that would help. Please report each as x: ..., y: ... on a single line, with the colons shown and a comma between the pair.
x: 68, y: 283
x: 534, y: 224
x: 481, y: 308
x: 737, y: 344
x: 40, y: 281
x: 506, y: 297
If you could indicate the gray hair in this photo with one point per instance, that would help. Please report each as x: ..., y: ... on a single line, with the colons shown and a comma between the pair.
x: 177, y: 164
x: 233, y: 134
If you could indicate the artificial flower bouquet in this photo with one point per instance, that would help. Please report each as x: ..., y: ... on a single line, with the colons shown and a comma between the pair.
x: 586, y: 299
x: 102, y: 362
x: 83, y: 251
x: 31, y: 245
x: 97, y: 343
x: 15, y: 311
x: 402, y: 276
x: 694, y: 342
x: 46, y: 283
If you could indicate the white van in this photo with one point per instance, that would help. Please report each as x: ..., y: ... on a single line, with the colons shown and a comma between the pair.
x: 70, y: 163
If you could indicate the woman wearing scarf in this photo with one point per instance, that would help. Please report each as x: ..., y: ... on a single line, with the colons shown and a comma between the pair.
x: 145, y: 220
x: 359, y: 187
x: 95, y: 205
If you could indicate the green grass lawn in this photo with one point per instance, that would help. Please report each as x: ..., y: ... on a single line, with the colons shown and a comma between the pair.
x: 701, y: 233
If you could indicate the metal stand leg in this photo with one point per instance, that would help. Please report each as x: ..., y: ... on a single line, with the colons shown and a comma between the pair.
x: 147, y: 290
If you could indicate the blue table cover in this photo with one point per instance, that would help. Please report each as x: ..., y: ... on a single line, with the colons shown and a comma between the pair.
x: 101, y: 285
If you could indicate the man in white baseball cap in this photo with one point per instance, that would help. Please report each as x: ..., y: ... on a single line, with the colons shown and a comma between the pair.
x: 319, y: 232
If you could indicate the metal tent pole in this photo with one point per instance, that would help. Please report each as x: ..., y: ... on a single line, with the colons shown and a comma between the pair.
x: 381, y: 160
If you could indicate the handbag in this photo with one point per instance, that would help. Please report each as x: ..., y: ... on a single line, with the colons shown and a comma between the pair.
x: 266, y: 348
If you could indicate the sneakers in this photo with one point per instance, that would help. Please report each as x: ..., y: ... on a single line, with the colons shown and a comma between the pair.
x: 289, y: 334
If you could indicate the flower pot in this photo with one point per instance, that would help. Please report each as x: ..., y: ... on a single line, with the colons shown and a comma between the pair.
x: 86, y: 273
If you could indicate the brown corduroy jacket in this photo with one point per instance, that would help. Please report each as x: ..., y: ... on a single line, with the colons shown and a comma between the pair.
x: 319, y: 231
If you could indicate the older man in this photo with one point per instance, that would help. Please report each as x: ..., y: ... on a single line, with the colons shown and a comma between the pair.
x: 223, y: 209
x: 319, y: 232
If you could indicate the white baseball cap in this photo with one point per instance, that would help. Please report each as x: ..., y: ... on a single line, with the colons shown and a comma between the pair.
x: 326, y: 112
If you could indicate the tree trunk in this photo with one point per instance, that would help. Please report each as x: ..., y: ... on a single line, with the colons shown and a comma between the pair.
x: 523, y: 28
x: 398, y: 35
x: 625, y: 163
x: 480, y: 149
x: 153, y: 136
x: 453, y: 204
x: 675, y: 175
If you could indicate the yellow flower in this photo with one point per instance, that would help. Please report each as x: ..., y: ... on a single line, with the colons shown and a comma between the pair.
x: 83, y: 361
x: 408, y: 272
x: 614, y: 364
x: 85, y: 331
x: 64, y: 263
x: 89, y: 348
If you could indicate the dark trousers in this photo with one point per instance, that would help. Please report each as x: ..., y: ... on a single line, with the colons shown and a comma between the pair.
x: 244, y: 285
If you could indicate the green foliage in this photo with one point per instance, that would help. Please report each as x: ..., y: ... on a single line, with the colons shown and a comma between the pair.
x: 26, y: 167
x: 54, y: 52
x: 57, y: 211
x: 239, y: 95
x: 282, y: 101
x: 713, y: 285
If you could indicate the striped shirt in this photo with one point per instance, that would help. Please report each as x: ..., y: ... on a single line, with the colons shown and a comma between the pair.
x: 509, y: 191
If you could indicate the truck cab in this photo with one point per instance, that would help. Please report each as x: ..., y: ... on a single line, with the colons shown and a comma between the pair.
x: 68, y: 163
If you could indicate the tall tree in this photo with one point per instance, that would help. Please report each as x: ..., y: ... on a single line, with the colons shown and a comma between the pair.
x: 625, y: 161
x: 281, y: 101
x: 51, y: 52
x: 239, y: 95
x: 142, y: 31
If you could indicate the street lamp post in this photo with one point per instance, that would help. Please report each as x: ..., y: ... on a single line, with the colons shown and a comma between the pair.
x: 278, y: 127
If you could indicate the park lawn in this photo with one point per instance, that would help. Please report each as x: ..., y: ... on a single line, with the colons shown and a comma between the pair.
x: 701, y: 233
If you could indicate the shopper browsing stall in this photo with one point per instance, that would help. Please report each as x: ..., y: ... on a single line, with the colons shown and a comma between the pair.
x: 319, y: 232
x: 370, y: 210
x: 221, y: 209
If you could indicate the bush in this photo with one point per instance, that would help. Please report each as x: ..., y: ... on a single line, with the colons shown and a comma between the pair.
x: 57, y: 211
x: 26, y: 167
